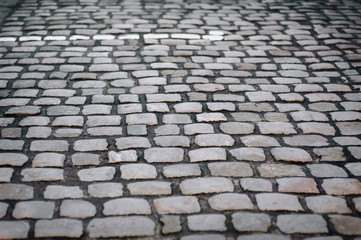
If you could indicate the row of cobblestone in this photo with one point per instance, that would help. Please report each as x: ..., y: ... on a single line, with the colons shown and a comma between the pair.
x: 181, y: 120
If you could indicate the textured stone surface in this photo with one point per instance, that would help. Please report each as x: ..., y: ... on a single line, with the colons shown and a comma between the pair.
x: 206, y: 222
x: 177, y: 205
x: 206, y: 185
x: 126, y: 227
x: 302, y: 223
x: 182, y: 120
x: 59, y: 228
x: 249, y: 222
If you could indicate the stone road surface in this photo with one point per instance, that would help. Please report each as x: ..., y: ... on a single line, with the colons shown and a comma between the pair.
x: 167, y: 119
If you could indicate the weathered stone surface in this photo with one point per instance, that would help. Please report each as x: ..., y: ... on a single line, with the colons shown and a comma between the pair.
x: 327, y: 204
x: 90, y: 145
x: 126, y: 206
x: 291, y: 155
x: 14, y: 229
x: 123, y: 156
x: 177, y: 205
x: 34, y: 209
x: 256, y: 184
x: 326, y: 170
x: 150, y: 188
x: 59, y: 228
x: 132, y: 142
x: 278, y: 201
x: 259, y: 141
x: 249, y: 222
x: 77, y: 209
x: 230, y: 169
x: 211, y: 140
x: 138, y: 171
x: 13, y: 159
x: 230, y: 201
x: 49, y: 146
x: 341, y: 186
x: 346, y: 225
x: 206, y: 185
x: 181, y: 170
x: 12, y: 191
x: 207, y: 222
x: 280, y: 170
x: 61, y: 192
x: 48, y: 160
x: 96, y: 174
x: 105, y: 190
x: 42, y: 174
x: 297, y: 185
x: 207, y: 154
x: 164, y: 155
x: 302, y: 223
x: 133, y: 226
x: 171, y: 224
x: 248, y: 154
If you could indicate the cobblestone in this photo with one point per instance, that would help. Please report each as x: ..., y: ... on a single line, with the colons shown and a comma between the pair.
x: 180, y: 119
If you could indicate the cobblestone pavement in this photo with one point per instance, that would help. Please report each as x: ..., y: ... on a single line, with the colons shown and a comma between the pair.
x: 186, y: 120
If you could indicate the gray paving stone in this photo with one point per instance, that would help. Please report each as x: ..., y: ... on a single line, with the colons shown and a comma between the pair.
x: 83, y: 159
x: 181, y: 170
x: 237, y: 128
x: 207, y: 154
x: 59, y: 228
x: 213, y: 140
x: 61, y: 192
x: 230, y: 201
x: 171, y: 224
x: 302, y: 223
x: 12, y: 191
x: 13, y: 159
x: 172, y: 141
x: 207, y: 222
x: 206, y: 185
x: 126, y: 206
x: 177, y: 205
x: 341, y: 186
x: 354, y: 168
x: 297, y: 185
x: 248, y: 154
x: 154, y: 155
x: 347, y: 225
x: 49, y: 146
x: 265, y: 236
x: 132, y: 226
x: 256, y: 184
x: 3, y: 209
x: 105, y: 190
x: 259, y: 141
x: 77, y: 209
x: 138, y: 171
x: 34, y: 209
x: 96, y: 174
x: 90, y: 145
x: 278, y: 201
x: 204, y: 237
x: 42, y: 174
x: 249, y: 222
x: 280, y: 170
x: 327, y: 204
x: 150, y: 188
x: 6, y: 144
x: 326, y: 170
x: 306, y: 140
x: 14, y: 229
x: 291, y: 154
x: 230, y: 169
